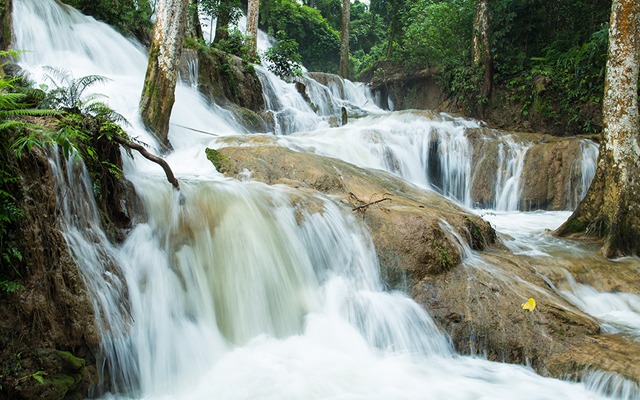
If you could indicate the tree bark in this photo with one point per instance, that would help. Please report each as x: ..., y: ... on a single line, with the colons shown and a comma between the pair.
x: 344, y: 39
x: 393, y: 26
x: 252, y: 28
x: 611, y: 208
x: 158, y: 93
x: 482, y: 46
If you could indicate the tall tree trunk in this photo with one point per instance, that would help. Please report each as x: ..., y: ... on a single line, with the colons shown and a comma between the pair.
x: 611, y: 208
x: 222, y: 21
x: 162, y: 72
x: 252, y: 28
x: 344, y: 39
x: 482, y: 46
x: 393, y: 26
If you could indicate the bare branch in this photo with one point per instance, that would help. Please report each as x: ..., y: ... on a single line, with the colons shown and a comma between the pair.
x: 152, y: 157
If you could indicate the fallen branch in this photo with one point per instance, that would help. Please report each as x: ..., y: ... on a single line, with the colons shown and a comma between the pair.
x: 363, y: 206
x: 151, y: 157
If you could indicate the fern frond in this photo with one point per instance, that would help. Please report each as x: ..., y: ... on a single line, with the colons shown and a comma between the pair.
x: 81, y: 84
x: 28, y: 112
x: 100, y: 109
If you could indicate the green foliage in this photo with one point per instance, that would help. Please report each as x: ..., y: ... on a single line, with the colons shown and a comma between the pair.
x: 128, y: 16
x: 235, y: 44
x: 283, y: 57
x: 331, y: 10
x: 10, y: 216
x: 319, y: 43
x: 438, y: 33
x: 216, y: 8
x: 366, y: 29
x: 69, y: 94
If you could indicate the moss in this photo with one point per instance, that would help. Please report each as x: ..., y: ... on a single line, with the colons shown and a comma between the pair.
x: 219, y: 160
x: 574, y: 225
x: 249, y: 119
x: 59, y: 385
x: 73, y: 362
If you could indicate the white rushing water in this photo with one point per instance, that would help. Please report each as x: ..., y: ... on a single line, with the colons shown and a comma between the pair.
x: 510, y: 166
x: 242, y: 292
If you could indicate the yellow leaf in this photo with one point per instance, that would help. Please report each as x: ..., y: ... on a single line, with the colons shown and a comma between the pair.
x: 529, y: 305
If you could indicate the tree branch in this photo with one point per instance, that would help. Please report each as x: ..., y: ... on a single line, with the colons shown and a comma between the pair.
x: 362, y: 207
x: 152, y: 157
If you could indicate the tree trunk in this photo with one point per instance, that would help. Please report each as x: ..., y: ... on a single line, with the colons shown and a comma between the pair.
x: 252, y: 28
x: 222, y: 22
x: 611, y: 208
x: 393, y: 26
x: 344, y: 39
x: 162, y: 72
x: 482, y: 46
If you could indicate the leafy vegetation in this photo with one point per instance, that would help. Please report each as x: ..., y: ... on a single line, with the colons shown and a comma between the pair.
x: 65, y: 116
x: 131, y: 17
x: 283, y: 57
x: 17, y: 105
x: 319, y: 43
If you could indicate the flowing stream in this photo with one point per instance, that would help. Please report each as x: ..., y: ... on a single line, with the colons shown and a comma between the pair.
x: 248, y: 291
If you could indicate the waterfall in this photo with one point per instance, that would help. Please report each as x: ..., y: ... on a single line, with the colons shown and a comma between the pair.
x: 430, y: 151
x: 242, y: 291
x: 100, y: 264
x: 582, y: 173
x: 291, y: 113
x: 510, y: 166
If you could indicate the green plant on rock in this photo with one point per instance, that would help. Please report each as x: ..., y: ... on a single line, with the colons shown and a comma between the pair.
x: 70, y: 94
x: 76, y: 108
x: 444, y: 258
x: 18, y: 116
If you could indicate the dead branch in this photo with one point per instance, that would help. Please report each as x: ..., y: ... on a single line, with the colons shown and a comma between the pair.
x: 361, y: 206
x: 151, y: 157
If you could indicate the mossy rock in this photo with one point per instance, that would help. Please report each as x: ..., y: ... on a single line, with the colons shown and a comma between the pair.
x: 219, y: 160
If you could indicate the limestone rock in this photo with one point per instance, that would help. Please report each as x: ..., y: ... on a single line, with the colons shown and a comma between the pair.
x: 477, y: 301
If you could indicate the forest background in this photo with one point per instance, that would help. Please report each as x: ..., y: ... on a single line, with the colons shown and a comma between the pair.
x: 548, y: 57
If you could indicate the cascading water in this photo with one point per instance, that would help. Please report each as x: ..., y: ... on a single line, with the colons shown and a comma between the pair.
x: 237, y: 293
x: 291, y: 113
x: 585, y: 170
x: 428, y: 151
x: 510, y: 166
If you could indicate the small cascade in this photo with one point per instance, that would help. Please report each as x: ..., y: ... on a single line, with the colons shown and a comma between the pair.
x: 191, y: 59
x: 431, y: 151
x: 357, y: 93
x: 612, y: 385
x: 582, y: 173
x: 618, y: 312
x: 100, y: 264
x: 511, y: 156
x: 291, y: 113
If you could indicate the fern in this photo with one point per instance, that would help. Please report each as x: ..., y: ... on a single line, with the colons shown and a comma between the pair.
x: 68, y: 93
